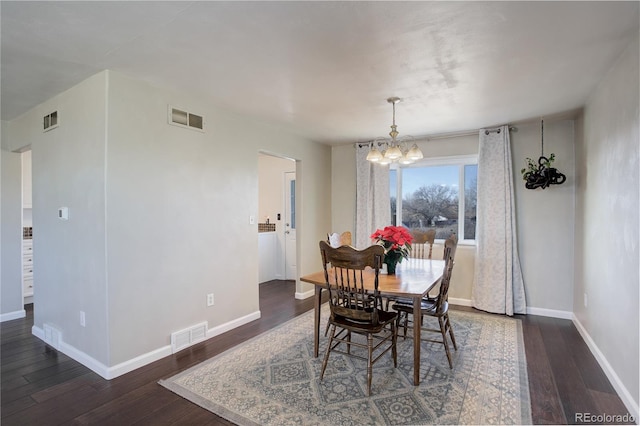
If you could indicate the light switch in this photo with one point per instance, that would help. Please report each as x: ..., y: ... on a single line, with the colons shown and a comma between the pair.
x: 63, y: 213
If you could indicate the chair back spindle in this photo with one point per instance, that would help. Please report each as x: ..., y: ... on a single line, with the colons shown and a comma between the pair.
x: 422, y: 246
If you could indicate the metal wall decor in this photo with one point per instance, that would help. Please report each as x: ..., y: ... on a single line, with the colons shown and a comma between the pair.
x: 542, y: 175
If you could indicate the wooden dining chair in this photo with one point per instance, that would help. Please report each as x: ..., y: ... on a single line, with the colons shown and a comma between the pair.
x: 422, y: 245
x: 355, y: 310
x: 421, y: 248
x: 437, y: 307
x: 454, y: 245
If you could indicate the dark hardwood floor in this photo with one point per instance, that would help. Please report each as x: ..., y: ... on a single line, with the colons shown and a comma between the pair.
x: 41, y: 386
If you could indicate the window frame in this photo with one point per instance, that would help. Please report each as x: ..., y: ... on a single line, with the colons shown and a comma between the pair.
x: 454, y: 160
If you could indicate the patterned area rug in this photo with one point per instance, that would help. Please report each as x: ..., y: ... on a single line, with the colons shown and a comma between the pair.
x: 273, y: 379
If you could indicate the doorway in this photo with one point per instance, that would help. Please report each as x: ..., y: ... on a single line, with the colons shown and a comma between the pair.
x: 27, y: 229
x: 276, y: 218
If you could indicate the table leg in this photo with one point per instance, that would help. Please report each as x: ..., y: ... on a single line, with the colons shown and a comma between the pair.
x: 417, y: 325
x: 316, y: 320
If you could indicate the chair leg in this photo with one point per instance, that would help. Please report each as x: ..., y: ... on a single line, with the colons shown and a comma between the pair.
x: 400, y: 323
x: 326, y: 354
x: 453, y: 339
x: 369, y: 362
x: 443, y: 330
x: 394, y: 341
x: 406, y: 325
x: 326, y: 330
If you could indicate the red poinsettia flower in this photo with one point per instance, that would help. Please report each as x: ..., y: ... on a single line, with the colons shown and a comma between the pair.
x: 395, y: 239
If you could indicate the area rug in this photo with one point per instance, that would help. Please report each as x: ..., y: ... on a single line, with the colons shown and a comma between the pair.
x: 273, y: 379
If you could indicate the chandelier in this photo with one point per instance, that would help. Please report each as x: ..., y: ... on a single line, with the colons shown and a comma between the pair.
x: 394, y: 150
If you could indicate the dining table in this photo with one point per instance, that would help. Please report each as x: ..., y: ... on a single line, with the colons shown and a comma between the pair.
x: 414, y: 278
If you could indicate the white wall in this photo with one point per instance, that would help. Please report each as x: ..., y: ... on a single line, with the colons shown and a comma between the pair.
x: 545, y: 218
x: 178, y: 214
x: 607, y: 224
x: 343, y: 189
x: 158, y: 217
x: 11, y: 302
x: 69, y: 256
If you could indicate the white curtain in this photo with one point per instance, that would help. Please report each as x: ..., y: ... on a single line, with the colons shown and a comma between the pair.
x: 373, y: 210
x: 498, y: 285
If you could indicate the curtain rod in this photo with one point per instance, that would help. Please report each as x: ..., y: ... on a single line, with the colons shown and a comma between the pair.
x: 496, y: 129
x: 444, y: 135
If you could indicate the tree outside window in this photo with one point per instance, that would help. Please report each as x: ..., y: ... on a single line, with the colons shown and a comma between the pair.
x: 431, y: 198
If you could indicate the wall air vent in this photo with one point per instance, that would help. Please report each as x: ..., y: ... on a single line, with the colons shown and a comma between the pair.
x: 52, y: 336
x: 182, y: 118
x: 50, y: 121
x: 189, y: 336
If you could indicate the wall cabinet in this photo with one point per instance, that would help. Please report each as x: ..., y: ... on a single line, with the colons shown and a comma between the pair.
x: 27, y: 268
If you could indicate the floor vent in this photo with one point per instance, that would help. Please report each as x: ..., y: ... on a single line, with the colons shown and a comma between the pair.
x: 51, y: 336
x: 182, y: 118
x: 189, y: 336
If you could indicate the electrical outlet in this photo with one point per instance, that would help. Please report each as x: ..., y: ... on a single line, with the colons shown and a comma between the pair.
x: 210, y: 299
x: 252, y: 220
x: 586, y: 302
x: 83, y: 321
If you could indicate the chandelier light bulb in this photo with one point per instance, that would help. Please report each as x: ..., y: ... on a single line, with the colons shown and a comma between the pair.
x: 393, y: 153
x: 384, y: 160
x: 374, y: 155
x: 405, y: 160
x: 414, y: 153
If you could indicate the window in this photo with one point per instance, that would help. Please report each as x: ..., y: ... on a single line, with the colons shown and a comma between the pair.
x: 427, y: 195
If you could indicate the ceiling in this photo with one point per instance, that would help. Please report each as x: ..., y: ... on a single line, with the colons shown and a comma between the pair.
x: 325, y: 69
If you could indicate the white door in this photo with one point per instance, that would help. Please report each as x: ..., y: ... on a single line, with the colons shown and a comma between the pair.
x: 290, y: 270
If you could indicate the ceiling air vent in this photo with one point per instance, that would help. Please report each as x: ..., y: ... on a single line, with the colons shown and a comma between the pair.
x: 50, y: 121
x: 182, y: 118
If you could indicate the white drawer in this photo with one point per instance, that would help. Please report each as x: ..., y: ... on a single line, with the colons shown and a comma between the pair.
x: 27, y: 249
x: 27, y: 287
x: 27, y: 259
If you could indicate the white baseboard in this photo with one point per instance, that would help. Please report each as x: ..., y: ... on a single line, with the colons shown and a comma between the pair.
x: 13, y: 315
x: 139, y: 361
x: 544, y: 312
x: 620, y: 388
x: 233, y: 324
x: 459, y: 302
x: 530, y: 310
x: 305, y: 295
